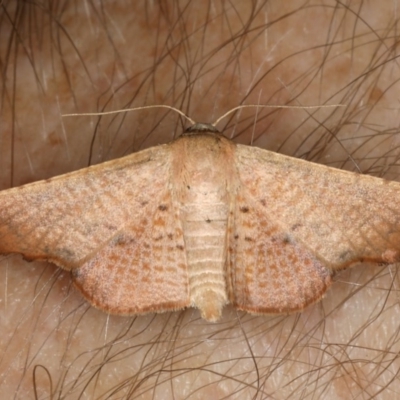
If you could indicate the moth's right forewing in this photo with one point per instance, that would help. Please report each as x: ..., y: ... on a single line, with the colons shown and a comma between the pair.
x: 340, y: 216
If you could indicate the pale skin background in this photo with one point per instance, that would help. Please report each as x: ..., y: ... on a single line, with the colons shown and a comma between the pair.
x: 204, y: 58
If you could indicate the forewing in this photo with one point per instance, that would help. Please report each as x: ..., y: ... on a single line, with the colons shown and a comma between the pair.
x: 296, y: 222
x: 70, y: 218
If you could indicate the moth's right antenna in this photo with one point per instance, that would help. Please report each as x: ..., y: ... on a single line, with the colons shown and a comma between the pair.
x: 271, y: 106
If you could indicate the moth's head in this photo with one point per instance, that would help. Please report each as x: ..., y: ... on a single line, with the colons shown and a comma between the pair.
x: 201, y: 127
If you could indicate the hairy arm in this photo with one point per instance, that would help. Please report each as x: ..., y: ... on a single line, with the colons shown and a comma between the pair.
x: 204, y: 59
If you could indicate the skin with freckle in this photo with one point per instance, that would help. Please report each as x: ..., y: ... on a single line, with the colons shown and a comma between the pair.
x: 200, y: 222
x: 204, y: 58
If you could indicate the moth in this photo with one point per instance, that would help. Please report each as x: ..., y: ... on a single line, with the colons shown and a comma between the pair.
x: 203, y: 222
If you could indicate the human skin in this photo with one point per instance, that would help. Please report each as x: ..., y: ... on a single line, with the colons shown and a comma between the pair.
x: 203, y: 58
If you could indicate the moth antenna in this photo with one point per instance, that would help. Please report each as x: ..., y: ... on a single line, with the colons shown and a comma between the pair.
x: 131, y: 109
x: 271, y: 106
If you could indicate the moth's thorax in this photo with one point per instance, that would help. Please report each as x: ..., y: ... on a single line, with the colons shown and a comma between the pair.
x: 204, y: 174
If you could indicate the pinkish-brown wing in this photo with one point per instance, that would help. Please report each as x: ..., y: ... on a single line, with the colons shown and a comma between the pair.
x: 115, y: 225
x: 69, y: 218
x: 143, y: 268
x: 297, y: 222
x: 269, y: 271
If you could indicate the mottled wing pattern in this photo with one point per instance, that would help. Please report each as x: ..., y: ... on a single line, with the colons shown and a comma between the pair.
x: 270, y: 272
x: 106, y: 222
x: 67, y: 219
x: 141, y: 269
x: 296, y: 222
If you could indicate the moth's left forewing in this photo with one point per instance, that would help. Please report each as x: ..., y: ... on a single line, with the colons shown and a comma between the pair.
x: 69, y: 218
x: 296, y: 222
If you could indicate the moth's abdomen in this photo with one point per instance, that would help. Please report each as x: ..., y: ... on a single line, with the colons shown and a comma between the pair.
x: 205, y: 238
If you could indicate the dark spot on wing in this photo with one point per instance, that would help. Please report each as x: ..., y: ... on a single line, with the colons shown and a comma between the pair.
x: 163, y: 207
x: 110, y: 227
x: 287, y: 239
x: 296, y: 226
x: 121, y: 240
x: 179, y: 247
x: 244, y: 209
x: 63, y: 253
x: 345, y: 256
x: 248, y: 239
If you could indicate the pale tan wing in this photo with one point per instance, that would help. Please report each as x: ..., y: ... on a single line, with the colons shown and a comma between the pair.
x: 296, y: 222
x: 143, y: 268
x: 69, y: 218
